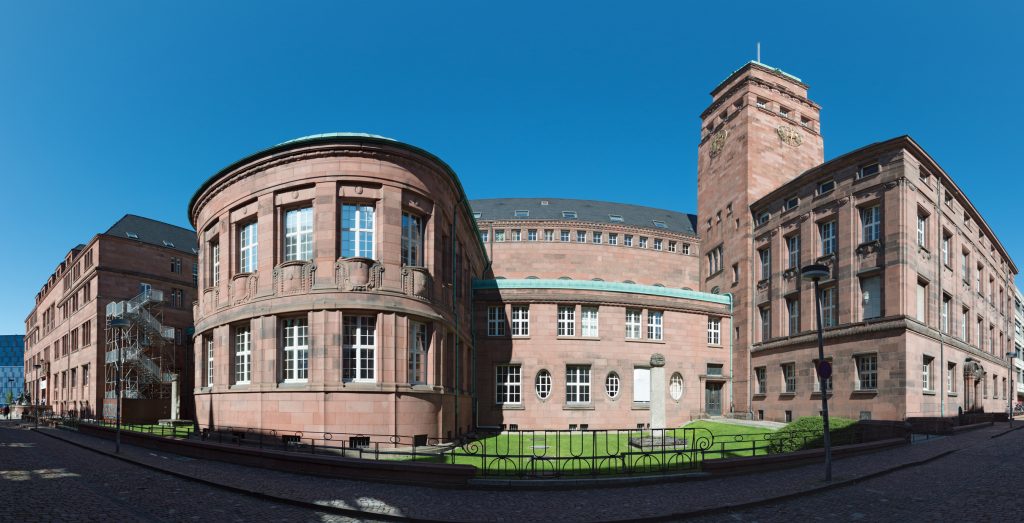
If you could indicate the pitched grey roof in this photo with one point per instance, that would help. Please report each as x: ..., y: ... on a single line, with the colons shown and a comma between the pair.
x: 155, y: 233
x: 586, y: 211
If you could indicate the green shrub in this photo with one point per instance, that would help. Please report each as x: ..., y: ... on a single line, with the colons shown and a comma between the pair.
x: 808, y: 433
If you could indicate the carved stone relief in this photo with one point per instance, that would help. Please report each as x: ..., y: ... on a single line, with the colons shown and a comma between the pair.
x: 293, y: 277
x: 789, y: 136
x: 358, y: 274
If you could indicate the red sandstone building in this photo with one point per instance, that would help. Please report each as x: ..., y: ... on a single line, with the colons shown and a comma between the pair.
x: 66, y: 331
x: 347, y: 286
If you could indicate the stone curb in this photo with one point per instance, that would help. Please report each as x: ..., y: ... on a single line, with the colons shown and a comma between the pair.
x: 260, y: 495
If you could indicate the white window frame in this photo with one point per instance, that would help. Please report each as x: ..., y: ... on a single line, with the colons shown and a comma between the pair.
x: 926, y: 373
x: 829, y: 307
x: 589, y: 322
x: 298, y: 234
x: 359, y: 349
x: 215, y: 265
x: 596, y: 237
x: 412, y: 240
x: 508, y: 384
x: 765, y: 314
x: 496, y: 320
x: 531, y: 235
x: 295, y: 349
x: 577, y: 384
x: 209, y: 361
x: 761, y: 377
x: 765, y: 255
x: 950, y: 377
x: 922, y: 230
x: 581, y: 236
x: 867, y: 372
x: 613, y: 238
x: 564, y: 235
x: 793, y: 246
x: 793, y: 315
x: 655, y: 325
x: 566, y: 320
x: 243, y: 355
x: 789, y: 378
x: 827, y: 233
x: 633, y: 322
x: 871, y: 223
x: 612, y: 385
x: 520, y: 320
x: 357, y: 231
x: 418, y: 345
x: 714, y: 331
x: 248, y: 245
x: 542, y: 384
x: 628, y: 240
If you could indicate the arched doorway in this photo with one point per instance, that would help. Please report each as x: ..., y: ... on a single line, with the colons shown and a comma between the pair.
x: 973, y: 374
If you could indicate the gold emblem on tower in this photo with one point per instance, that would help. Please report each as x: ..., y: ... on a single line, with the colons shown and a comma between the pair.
x: 717, y: 142
x: 789, y: 135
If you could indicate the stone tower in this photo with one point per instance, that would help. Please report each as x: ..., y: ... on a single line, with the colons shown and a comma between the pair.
x: 759, y: 132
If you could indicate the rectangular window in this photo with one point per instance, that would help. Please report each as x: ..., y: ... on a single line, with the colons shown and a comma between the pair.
x: 577, y: 384
x: 657, y: 244
x: 296, y: 350
x: 499, y: 235
x: 589, y: 322
x: 827, y: 232
x: 921, y: 312
x: 209, y: 361
x: 867, y: 372
x: 298, y: 234
x: 215, y: 263
x: 247, y: 247
x: 871, y: 222
x: 628, y: 240
x: 766, y: 263
x: 596, y: 237
x: 549, y: 235
x: 564, y: 236
x: 869, y: 170
x: 793, y: 311
x: 517, y: 235
x: 643, y: 242
x: 926, y: 373
x: 641, y: 385
x: 412, y: 240
x: 686, y: 248
x: 922, y: 230
x: 761, y: 376
x: 791, y: 203
x: 766, y: 323
x: 632, y: 324
x: 951, y: 377
x: 496, y: 321
x: 243, y: 355
x: 418, y: 346
x: 484, y: 236
x: 965, y: 270
x: 965, y: 320
x: 871, y: 297
x: 789, y: 378
x: 566, y: 320
x: 508, y: 382
x: 357, y: 225
x: 522, y: 214
x: 531, y: 235
x: 714, y: 331
x: 655, y: 325
x: 829, y: 307
x: 359, y: 348
x: 613, y: 238
x: 944, y: 316
x: 945, y: 248
x: 793, y: 248
x: 671, y: 246
x: 520, y: 320
x: 826, y: 186
x: 581, y: 236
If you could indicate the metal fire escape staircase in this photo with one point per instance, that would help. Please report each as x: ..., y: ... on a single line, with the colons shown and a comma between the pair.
x: 142, y: 344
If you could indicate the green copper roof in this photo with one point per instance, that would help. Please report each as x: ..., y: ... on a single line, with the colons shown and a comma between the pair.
x: 607, y: 286
x: 776, y: 69
x: 336, y: 135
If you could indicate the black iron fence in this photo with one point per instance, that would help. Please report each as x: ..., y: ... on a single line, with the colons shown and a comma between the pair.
x: 536, y: 454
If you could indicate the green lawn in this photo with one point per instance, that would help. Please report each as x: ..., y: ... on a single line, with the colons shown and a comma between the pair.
x: 155, y: 429
x: 732, y: 440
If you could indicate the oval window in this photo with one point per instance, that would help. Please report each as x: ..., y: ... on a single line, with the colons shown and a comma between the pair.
x: 675, y: 386
x: 543, y: 384
x: 611, y: 385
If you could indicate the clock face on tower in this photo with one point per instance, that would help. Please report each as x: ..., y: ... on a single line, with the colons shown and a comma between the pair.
x: 718, y: 142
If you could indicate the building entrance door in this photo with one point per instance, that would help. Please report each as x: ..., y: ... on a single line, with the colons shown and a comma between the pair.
x: 713, y: 399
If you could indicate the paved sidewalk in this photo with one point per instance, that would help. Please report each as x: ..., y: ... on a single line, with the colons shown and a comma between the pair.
x: 669, y: 500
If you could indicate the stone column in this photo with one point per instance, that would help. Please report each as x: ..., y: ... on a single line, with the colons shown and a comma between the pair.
x: 174, y: 397
x: 657, y: 391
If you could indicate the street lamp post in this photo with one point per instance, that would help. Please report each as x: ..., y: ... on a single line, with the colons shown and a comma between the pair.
x: 817, y: 273
x: 117, y: 326
x: 1009, y: 374
x: 35, y: 400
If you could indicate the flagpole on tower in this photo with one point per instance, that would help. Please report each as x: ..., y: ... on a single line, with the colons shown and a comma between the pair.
x: 759, y: 52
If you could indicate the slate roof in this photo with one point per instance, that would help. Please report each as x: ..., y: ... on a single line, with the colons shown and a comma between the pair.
x: 586, y: 211
x: 155, y: 233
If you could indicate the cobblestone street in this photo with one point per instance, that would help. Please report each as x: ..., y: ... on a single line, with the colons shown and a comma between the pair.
x: 966, y: 477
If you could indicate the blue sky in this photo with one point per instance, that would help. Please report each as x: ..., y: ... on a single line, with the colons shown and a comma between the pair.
x: 134, y: 104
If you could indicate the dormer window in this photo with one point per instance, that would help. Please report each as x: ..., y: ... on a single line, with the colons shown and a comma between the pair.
x: 659, y: 224
x: 569, y: 215
x: 869, y: 170
x: 522, y: 214
x: 791, y: 203
x: 132, y: 235
x: 168, y: 244
x: 615, y: 218
x: 543, y: 202
x: 476, y: 215
x: 826, y: 187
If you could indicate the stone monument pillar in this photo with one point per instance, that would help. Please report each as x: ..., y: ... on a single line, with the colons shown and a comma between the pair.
x: 174, y: 397
x: 657, y: 391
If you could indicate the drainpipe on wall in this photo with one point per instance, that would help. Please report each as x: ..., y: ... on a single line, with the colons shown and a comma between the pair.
x: 732, y: 370
x: 941, y: 370
x: 455, y: 310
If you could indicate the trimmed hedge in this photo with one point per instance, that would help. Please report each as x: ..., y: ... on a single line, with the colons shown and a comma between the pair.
x: 808, y: 433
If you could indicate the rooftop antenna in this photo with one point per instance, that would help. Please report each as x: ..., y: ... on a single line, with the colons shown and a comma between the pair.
x: 759, y: 52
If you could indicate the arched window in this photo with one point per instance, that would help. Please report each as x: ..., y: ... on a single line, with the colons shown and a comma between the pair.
x: 675, y: 386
